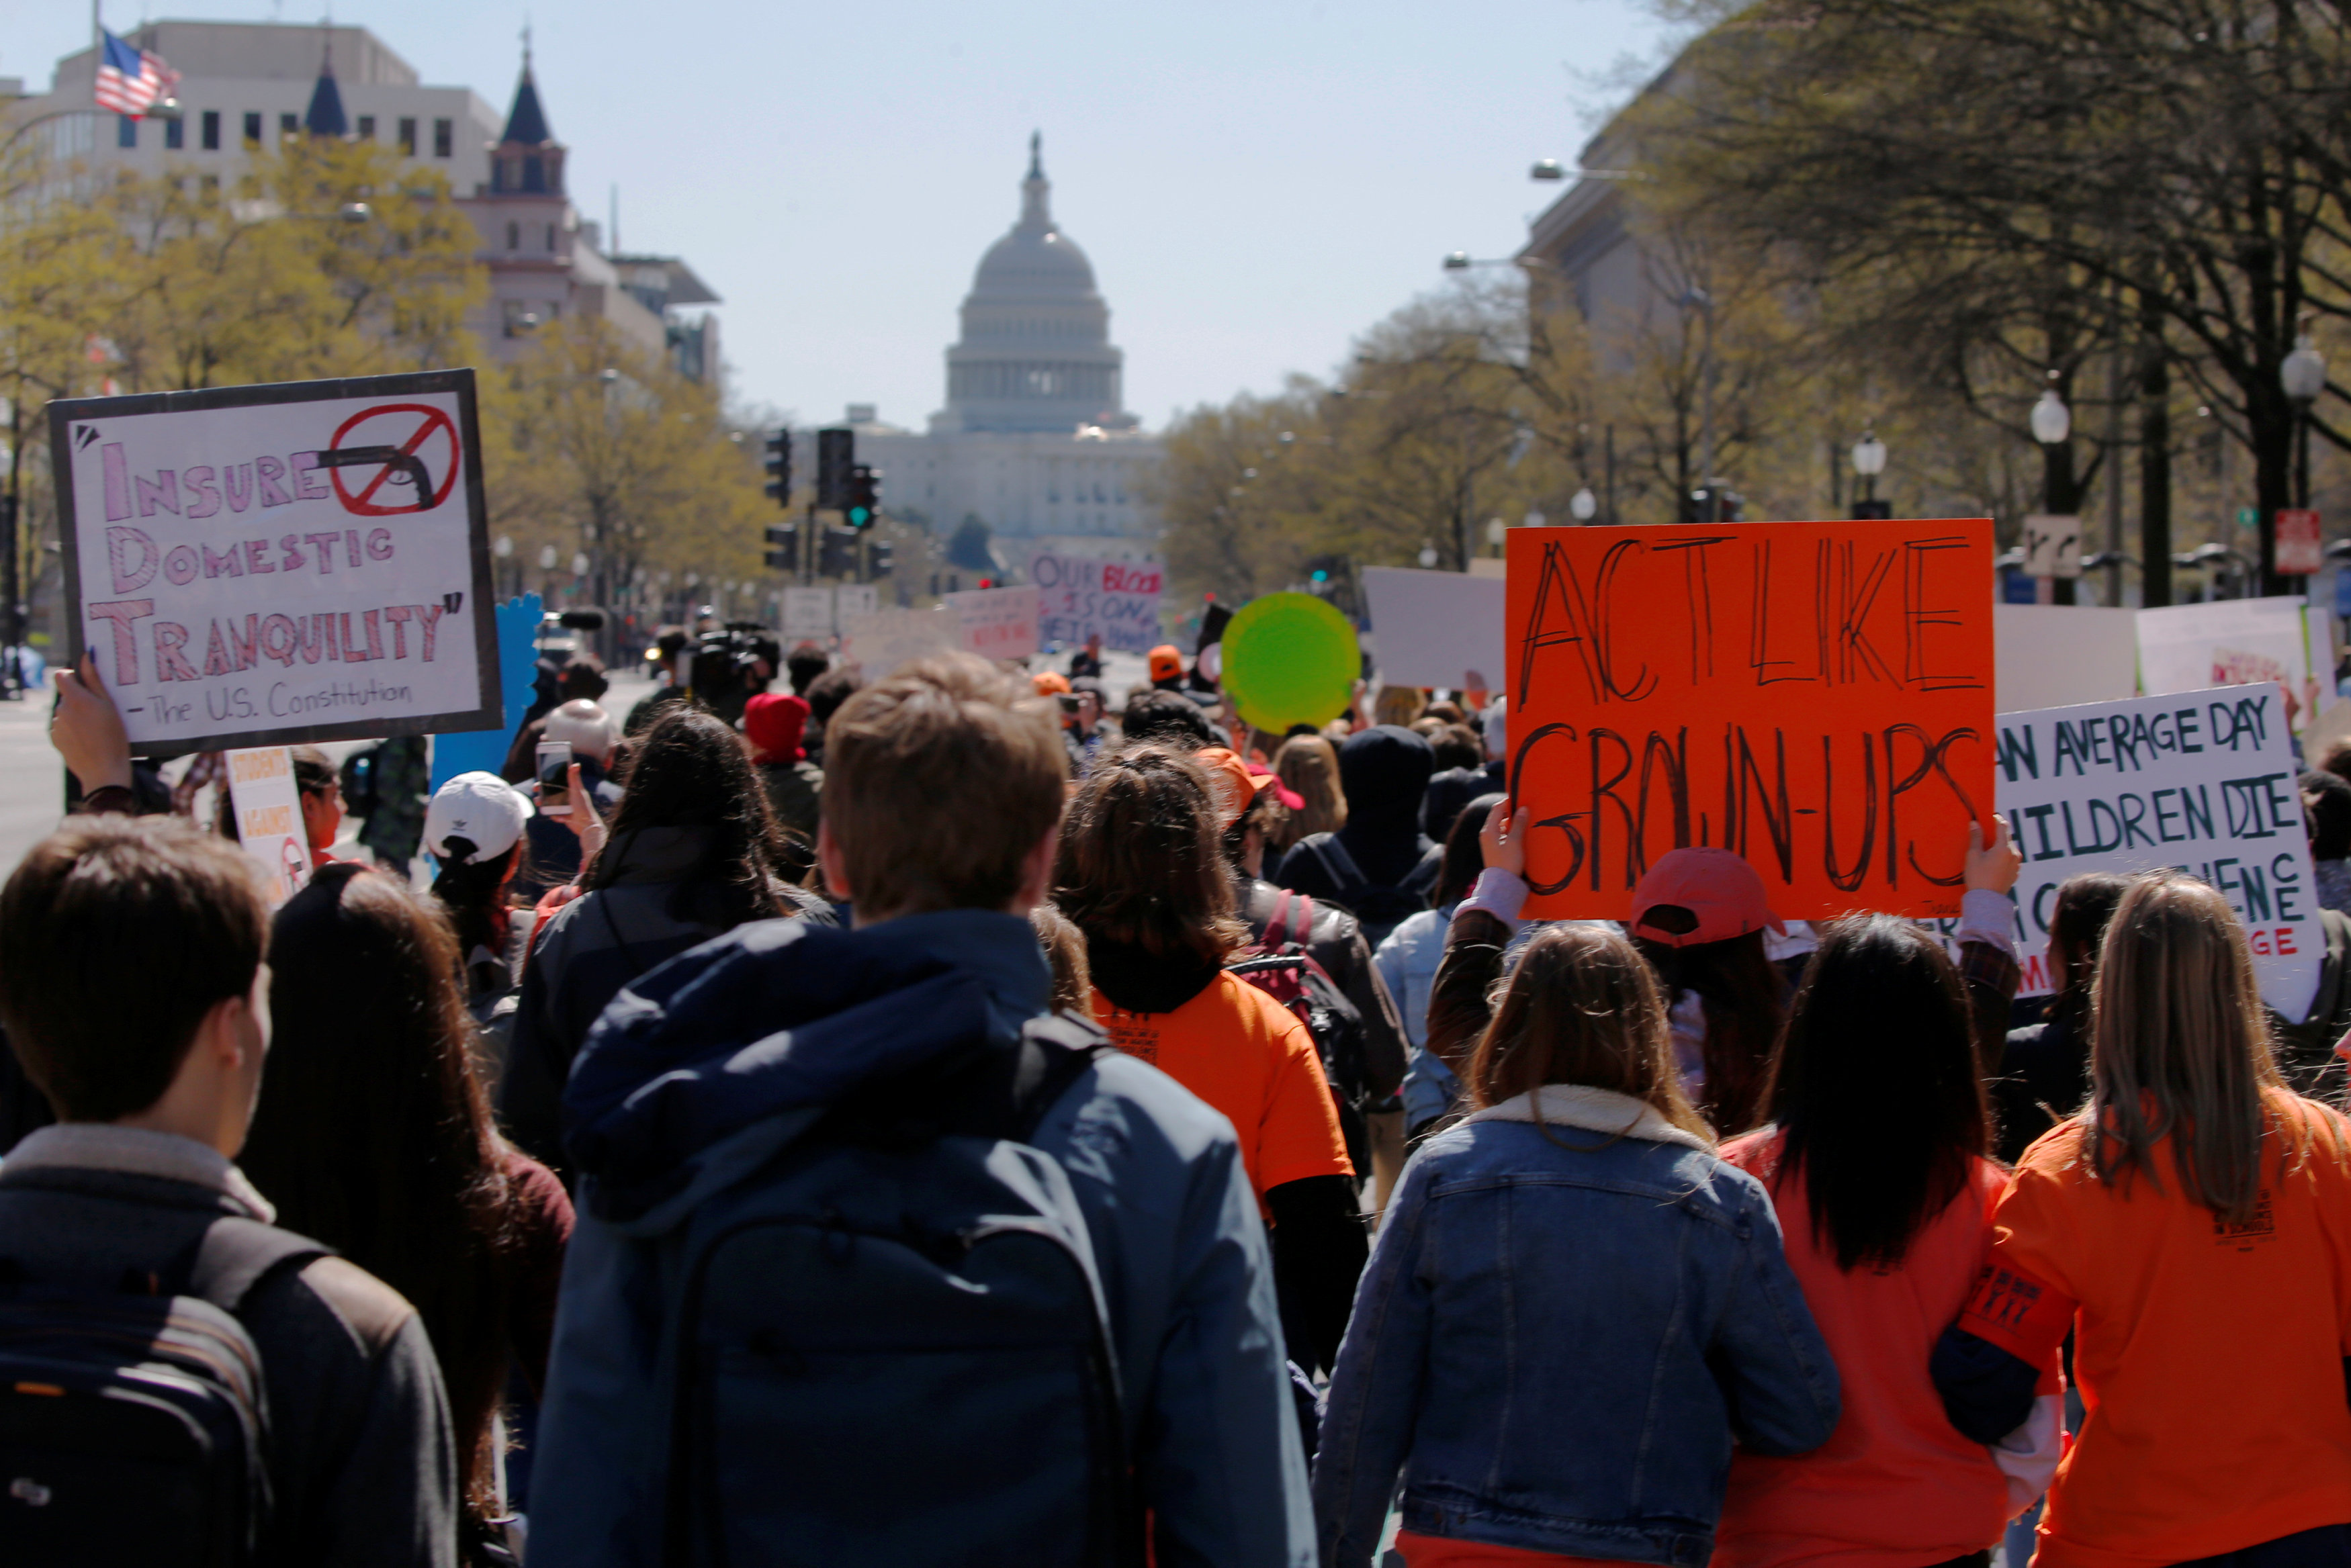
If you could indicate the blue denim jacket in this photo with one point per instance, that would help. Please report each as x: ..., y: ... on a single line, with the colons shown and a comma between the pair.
x: 1558, y: 1338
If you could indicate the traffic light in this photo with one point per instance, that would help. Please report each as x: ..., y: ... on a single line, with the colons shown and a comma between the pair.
x: 880, y: 558
x: 864, y: 496
x: 837, y: 558
x: 784, y: 548
x: 779, y: 469
x: 836, y: 451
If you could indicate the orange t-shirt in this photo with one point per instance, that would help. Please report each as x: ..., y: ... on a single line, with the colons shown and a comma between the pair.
x: 1249, y: 1057
x: 1895, y: 1485
x: 1445, y: 1551
x: 2210, y: 1357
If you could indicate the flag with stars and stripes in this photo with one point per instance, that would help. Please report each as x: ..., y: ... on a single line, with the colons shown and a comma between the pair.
x: 129, y: 82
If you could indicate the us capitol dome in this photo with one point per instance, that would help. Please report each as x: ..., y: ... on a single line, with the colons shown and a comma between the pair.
x: 1033, y: 440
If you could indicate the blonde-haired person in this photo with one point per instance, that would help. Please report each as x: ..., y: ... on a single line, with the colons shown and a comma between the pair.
x: 2191, y: 1227
x: 1574, y: 1309
x: 1308, y: 766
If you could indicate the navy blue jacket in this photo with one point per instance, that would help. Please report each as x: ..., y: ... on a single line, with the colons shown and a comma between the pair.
x: 706, y: 1067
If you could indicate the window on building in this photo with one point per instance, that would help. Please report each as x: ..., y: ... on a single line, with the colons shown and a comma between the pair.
x: 513, y: 236
x: 367, y: 127
x: 288, y: 125
x: 408, y: 136
x: 252, y: 131
x: 212, y: 130
x: 125, y: 132
x: 550, y: 237
x: 175, y: 134
x: 444, y: 137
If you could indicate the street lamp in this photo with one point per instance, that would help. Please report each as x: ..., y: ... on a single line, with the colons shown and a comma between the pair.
x: 2303, y: 374
x: 503, y: 548
x: 1495, y: 529
x: 547, y: 557
x: 1456, y: 261
x: 1583, y: 507
x: 1547, y: 169
x: 1869, y: 462
x: 1533, y: 519
x: 1428, y: 557
x: 2052, y: 422
x: 1697, y: 300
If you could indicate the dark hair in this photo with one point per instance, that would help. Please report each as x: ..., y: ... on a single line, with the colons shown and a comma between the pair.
x: 474, y: 893
x: 313, y: 773
x: 1744, y: 1000
x: 117, y: 936
x: 1464, y: 856
x: 1875, y: 1086
x: 582, y: 676
x: 1140, y: 862
x: 2077, y: 933
x: 829, y: 691
x: 1264, y: 814
x: 2327, y: 801
x: 804, y: 664
x: 372, y: 1133
x: 691, y: 770
x: 1168, y: 719
x: 1457, y: 746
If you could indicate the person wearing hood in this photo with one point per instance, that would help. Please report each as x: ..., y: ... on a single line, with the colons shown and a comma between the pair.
x: 708, y: 1078
x: 1141, y: 873
x: 693, y: 851
x: 773, y: 723
x: 1380, y: 866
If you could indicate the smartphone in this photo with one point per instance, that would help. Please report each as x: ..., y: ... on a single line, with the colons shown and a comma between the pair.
x: 555, y: 778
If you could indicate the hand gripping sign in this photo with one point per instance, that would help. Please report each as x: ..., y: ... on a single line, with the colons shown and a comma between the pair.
x: 1815, y: 695
x: 259, y: 565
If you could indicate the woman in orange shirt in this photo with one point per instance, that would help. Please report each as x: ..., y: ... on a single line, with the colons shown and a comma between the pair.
x: 1141, y: 873
x: 2192, y: 1227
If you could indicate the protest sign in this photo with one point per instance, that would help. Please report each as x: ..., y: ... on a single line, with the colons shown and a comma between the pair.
x: 854, y: 598
x: 881, y: 640
x: 997, y: 623
x: 2299, y: 544
x: 2192, y: 648
x: 297, y: 562
x: 269, y: 811
x: 1436, y: 628
x: 1815, y: 695
x: 1290, y: 658
x: 807, y: 614
x: 1078, y: 598
x: 2203, y: 781
x: 2055, y: 656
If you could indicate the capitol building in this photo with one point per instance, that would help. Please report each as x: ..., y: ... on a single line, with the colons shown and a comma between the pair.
x: 1032, y: 441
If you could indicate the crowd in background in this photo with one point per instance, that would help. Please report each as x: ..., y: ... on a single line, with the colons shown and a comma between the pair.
x: 971, y: 1115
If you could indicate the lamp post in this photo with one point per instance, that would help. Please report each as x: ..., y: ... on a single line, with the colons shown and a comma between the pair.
x: 1584, y: 505
x: 1495, y: 529
x: 1869, y: 462
x: 503, y: 548
x: 1697, y: 300
x: 2052, y: 422
x: 1428, y: 557
x: 2304, y: 375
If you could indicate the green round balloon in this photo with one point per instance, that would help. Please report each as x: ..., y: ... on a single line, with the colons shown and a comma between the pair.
x: 1290, y: 658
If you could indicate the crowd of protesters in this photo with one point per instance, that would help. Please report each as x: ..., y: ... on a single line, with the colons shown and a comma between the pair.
x: 957, y: 1115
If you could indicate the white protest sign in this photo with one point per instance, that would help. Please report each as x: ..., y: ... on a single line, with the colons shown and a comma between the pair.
x: 856, y: 598
x: 1436, y: 628
x: 2052, y: 545
x: 2056, y: 656
x: 269, y: 811
x: 883, y: 640
x: 306, y: 561
x: 1078, y: 598
x: 2203, y: 781
x: 808, y: 613
x: 2189, y: 648
x: 997, y: 623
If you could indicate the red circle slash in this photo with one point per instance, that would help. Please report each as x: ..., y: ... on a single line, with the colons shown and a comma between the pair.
x: 363, y: 503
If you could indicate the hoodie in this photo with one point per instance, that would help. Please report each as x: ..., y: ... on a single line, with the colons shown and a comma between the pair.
x: 703, y: 1069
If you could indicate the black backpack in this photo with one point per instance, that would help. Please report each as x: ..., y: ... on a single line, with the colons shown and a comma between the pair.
x: 1280, y: 966
x: 1377, y: 909
x: 134, y: 1423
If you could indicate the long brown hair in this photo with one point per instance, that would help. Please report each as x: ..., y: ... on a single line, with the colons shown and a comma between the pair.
x: 1142, y: 859
x: 1745, y: 1000
x: 1308, y: 766
x: 372, y: 1133
x: 1581, y: 1008
x: 2179, y: 1047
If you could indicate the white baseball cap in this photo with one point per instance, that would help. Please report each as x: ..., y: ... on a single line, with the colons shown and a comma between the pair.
x: 481, y: 808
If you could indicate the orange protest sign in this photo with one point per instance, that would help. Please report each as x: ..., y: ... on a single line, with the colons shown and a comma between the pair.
x: 1816, y: 696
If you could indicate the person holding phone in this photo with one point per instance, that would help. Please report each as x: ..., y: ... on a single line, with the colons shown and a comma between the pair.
x: 581, y: 735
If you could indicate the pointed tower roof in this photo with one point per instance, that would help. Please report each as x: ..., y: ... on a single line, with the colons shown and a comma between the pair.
x: 526, y: 121
x: 1036, y: 190
x: 325, y: 115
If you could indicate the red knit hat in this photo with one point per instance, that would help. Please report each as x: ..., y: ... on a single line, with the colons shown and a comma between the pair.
x: 774, y: 721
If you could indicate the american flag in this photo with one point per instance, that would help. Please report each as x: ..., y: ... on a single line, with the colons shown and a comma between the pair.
x: 131, y: 80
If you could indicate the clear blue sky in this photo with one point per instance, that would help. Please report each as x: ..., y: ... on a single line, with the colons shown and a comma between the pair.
x: 1256, y: 183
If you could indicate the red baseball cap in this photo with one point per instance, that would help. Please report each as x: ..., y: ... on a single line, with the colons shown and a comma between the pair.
x: 1695, y: 896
